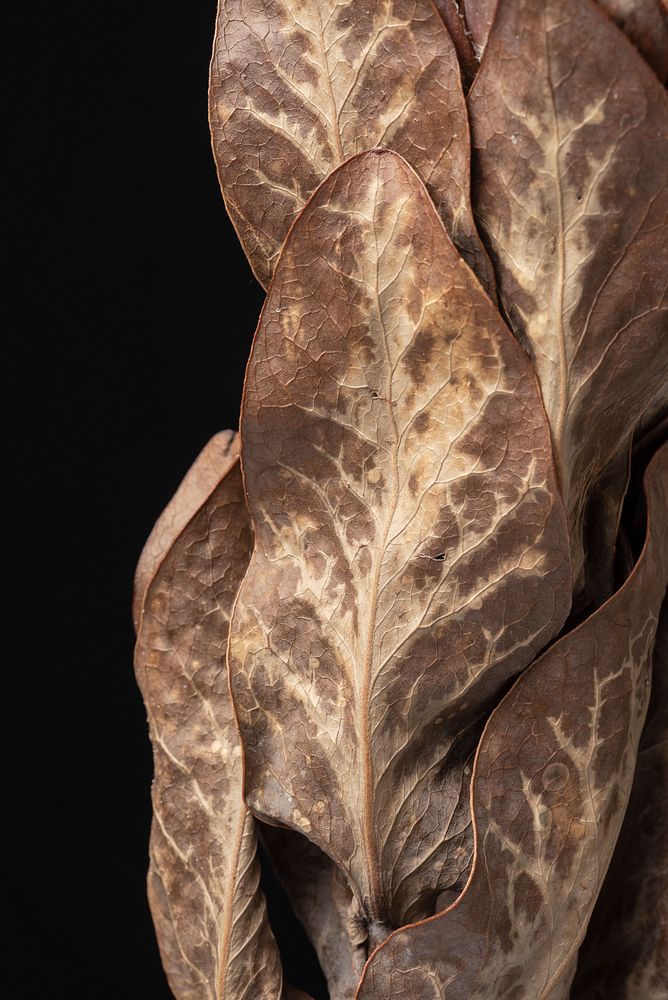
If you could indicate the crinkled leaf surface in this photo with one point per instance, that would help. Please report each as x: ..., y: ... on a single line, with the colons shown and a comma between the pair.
x: 324, y: 904
x: 551, y: 782
x: 203, y: 881
x: 570, y: 132
x: 479, y: 16
x: 298, y: 86
x: 645, y: 23
x: 453, y: 18
x: 215, y: 460
x: 624, y: 955
x: 410, y: 544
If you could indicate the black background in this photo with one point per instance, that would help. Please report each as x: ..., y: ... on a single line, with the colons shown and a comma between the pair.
x: 136, y: 314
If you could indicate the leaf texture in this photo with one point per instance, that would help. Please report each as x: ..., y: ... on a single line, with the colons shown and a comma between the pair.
x: 298, y: 86
x: 570, y: 132
x: 645, y: 23
x: 551, y: 782
x: 479, y: 17
x: 212, y: 464
x: 625, y: 953
x: 410, y: 544
x: 203, y: 881
x: 325, y: 906
x: 453, y: 19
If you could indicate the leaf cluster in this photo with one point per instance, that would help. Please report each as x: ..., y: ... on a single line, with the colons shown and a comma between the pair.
x: 401, y: 629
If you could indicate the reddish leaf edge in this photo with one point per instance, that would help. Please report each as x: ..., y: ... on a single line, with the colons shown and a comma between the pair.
x: 212, y: 464
x: 490, y: 722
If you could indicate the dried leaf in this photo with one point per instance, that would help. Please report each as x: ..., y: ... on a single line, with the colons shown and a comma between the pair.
x: 551, y: 782
x: 203, y: 879
x: 454, y: 21
x: 479, y: 17
x: 323, y: 902
x: 298, y: 87
x: 625, y: 953
x: 212, y: 464
x: 410, y: 545
x: 646, y: 25
x: 570, y: 130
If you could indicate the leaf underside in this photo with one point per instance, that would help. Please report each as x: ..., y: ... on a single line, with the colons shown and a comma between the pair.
x: 569, y: 130
x: 203, y: 881
x: 624, y: 954
x: 298, y: 87
x: 410, y: 545
x: 551, y: 782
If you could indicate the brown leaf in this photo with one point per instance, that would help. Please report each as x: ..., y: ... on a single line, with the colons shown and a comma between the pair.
x: 410, y: 545
x: 215, y: 460
x: 645, y: 23
x: 625, y: 952
x: 324, y: 904
x: 479, y: 17
x: 454, y: 21
x: 551, y: 782
x: 298, y: 87
x: 570, y: 133
x: 203, y: 881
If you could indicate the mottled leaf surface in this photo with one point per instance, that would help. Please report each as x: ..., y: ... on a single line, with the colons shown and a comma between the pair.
x: 324, y: 904
x: 625, y: 953
x: 570, y: 132
x: 298, y: 86
x: 410, y: 545
x: 214, y: 461
x: 645, y: 23
x: 203, y: 881
x: 479, y: 16
x: 551, y: 782
x: 453, y: 18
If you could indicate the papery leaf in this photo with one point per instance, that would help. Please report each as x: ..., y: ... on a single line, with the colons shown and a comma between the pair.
x: 203, y: 881
x: 624, y: 956
x: 453, y: 19
x: 479, y: 17
x: 410, y: 544
x: 298, y: 87
x: 212, y: 464
x: 551, y: 782
x: 570, y: 129
x: 645, y: 23
x: 324, y: 904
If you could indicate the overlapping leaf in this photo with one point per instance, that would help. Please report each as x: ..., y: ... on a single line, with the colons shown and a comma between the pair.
x: 624, y: 956
x: 203, y: 879
x: 551, y: 782
x: 479, y: 16
x: 298, y: 87
x: 215, y: 460
x: 570, y: 129
x: 410, y: 545
x: 325, y: 906
x: 645, y: 23
x: 453, y: 19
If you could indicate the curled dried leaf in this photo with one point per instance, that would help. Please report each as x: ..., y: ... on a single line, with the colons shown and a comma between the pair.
x: 324, y: 904
x: 203, y: 882
x: 570, y: 130
x: 298, y: 87
x: 212, y: 464
x: 479, y: 17
x: 410, y: 543
x: 624, y: 955
x: 453, y: 19
x: 551, y: 782
x: 645, y: 23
